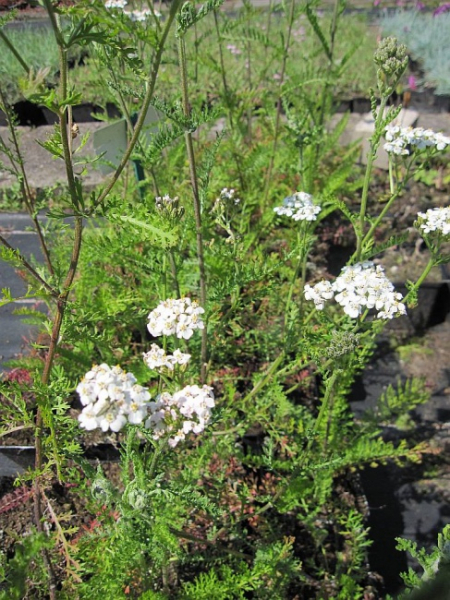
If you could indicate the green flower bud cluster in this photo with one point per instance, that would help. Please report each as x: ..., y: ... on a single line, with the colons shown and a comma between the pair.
x: 169, y: 207
x: 392, y: 60
x: 342, y: 343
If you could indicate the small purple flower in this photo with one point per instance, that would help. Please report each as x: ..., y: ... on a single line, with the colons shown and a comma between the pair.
x: 420, y: 6
x: 412, y: 84
x: 443, y: 8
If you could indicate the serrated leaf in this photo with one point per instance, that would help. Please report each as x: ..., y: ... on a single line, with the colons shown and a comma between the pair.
x: 395, y: 240
x: 166, y: 237
x: 312, y: 18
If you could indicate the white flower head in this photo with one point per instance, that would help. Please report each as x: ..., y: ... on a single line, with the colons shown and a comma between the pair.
x: 115, y: 4
x: 186, y: 411
x: 157, y: 359
x: 139, y: 16
x: 404, y: 140
x: 321, y: 292
x: 299, y: 207
x: 228, y: 196
x: 435, y: 220
x: 111, y: 398
x: 180, y: 317
x: 358, y: 288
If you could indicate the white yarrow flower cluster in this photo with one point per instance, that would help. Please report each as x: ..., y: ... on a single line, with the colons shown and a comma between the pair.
x: 402, y: 140
x: 180, y: 317
x: 157, y: 358
x: 358, y: 288
x: 320, y: 293
x: 228, y: 196
x: 111, y: 398
x: 299, y: 207
x: 140, y: 16
x: 436, y: 219
x: 115, y: 4
x: 183, y: 412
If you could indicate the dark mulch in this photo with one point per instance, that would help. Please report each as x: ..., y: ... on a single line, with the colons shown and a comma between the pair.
x: 24, y: 4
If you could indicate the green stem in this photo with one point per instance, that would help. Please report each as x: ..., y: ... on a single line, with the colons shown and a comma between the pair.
x: 13, y: 49
x: 226, y: 90
x: 24, y: 263
x: 386, y: 207
x: 154, y: 463
x: 268, y: 26
x: 150, y: 89
x: 326, y: 97
x: 391, y: 177
x: 279, y: 104
x: 173, y: 268
x: 323, y: 408
x: 294, y: 279
x: 250, y: 88
x: 374, y: 142
x: 431, y: 263
x: 227, y: 96
x: 196, y: 198
x: 19, y: 167
x: 265, y: 379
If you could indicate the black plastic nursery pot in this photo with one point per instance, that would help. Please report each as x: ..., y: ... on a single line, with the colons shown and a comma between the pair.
x: 29, y: 114
x: 84, y: 113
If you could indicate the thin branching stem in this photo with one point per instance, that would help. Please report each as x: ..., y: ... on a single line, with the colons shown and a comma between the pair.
x: 19, y: 168
x: 196, y: 197
x: 14, y: 51
x: 24, y: 263
x: 374, y: 142
x: 326, y: 96
x: 150, y: 89
x: 226, y: 89
x: 276, y: 133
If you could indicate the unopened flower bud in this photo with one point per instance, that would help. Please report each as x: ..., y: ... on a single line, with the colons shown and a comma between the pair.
x: 169, y: 207
x: 342, y: 342
x: 392, y: 60
x: 136, y: 498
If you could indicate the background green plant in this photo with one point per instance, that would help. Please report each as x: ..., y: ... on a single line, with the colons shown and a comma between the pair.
x: 427, y: 39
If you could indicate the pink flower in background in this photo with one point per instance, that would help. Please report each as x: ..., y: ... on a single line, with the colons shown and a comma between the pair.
x: 412, y: 83
x: 300, y: 32
x: 442, y: 9
x: 234, y: 49
x: 376, y: 2
x: 420, y: 6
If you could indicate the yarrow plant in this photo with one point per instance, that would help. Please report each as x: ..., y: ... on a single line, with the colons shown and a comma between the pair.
x: 358, y: 288
x: 193, y: 522
x: 435, y: 220
x: 299, y: 207
x: 403, y: 141
x: 180, y: 317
